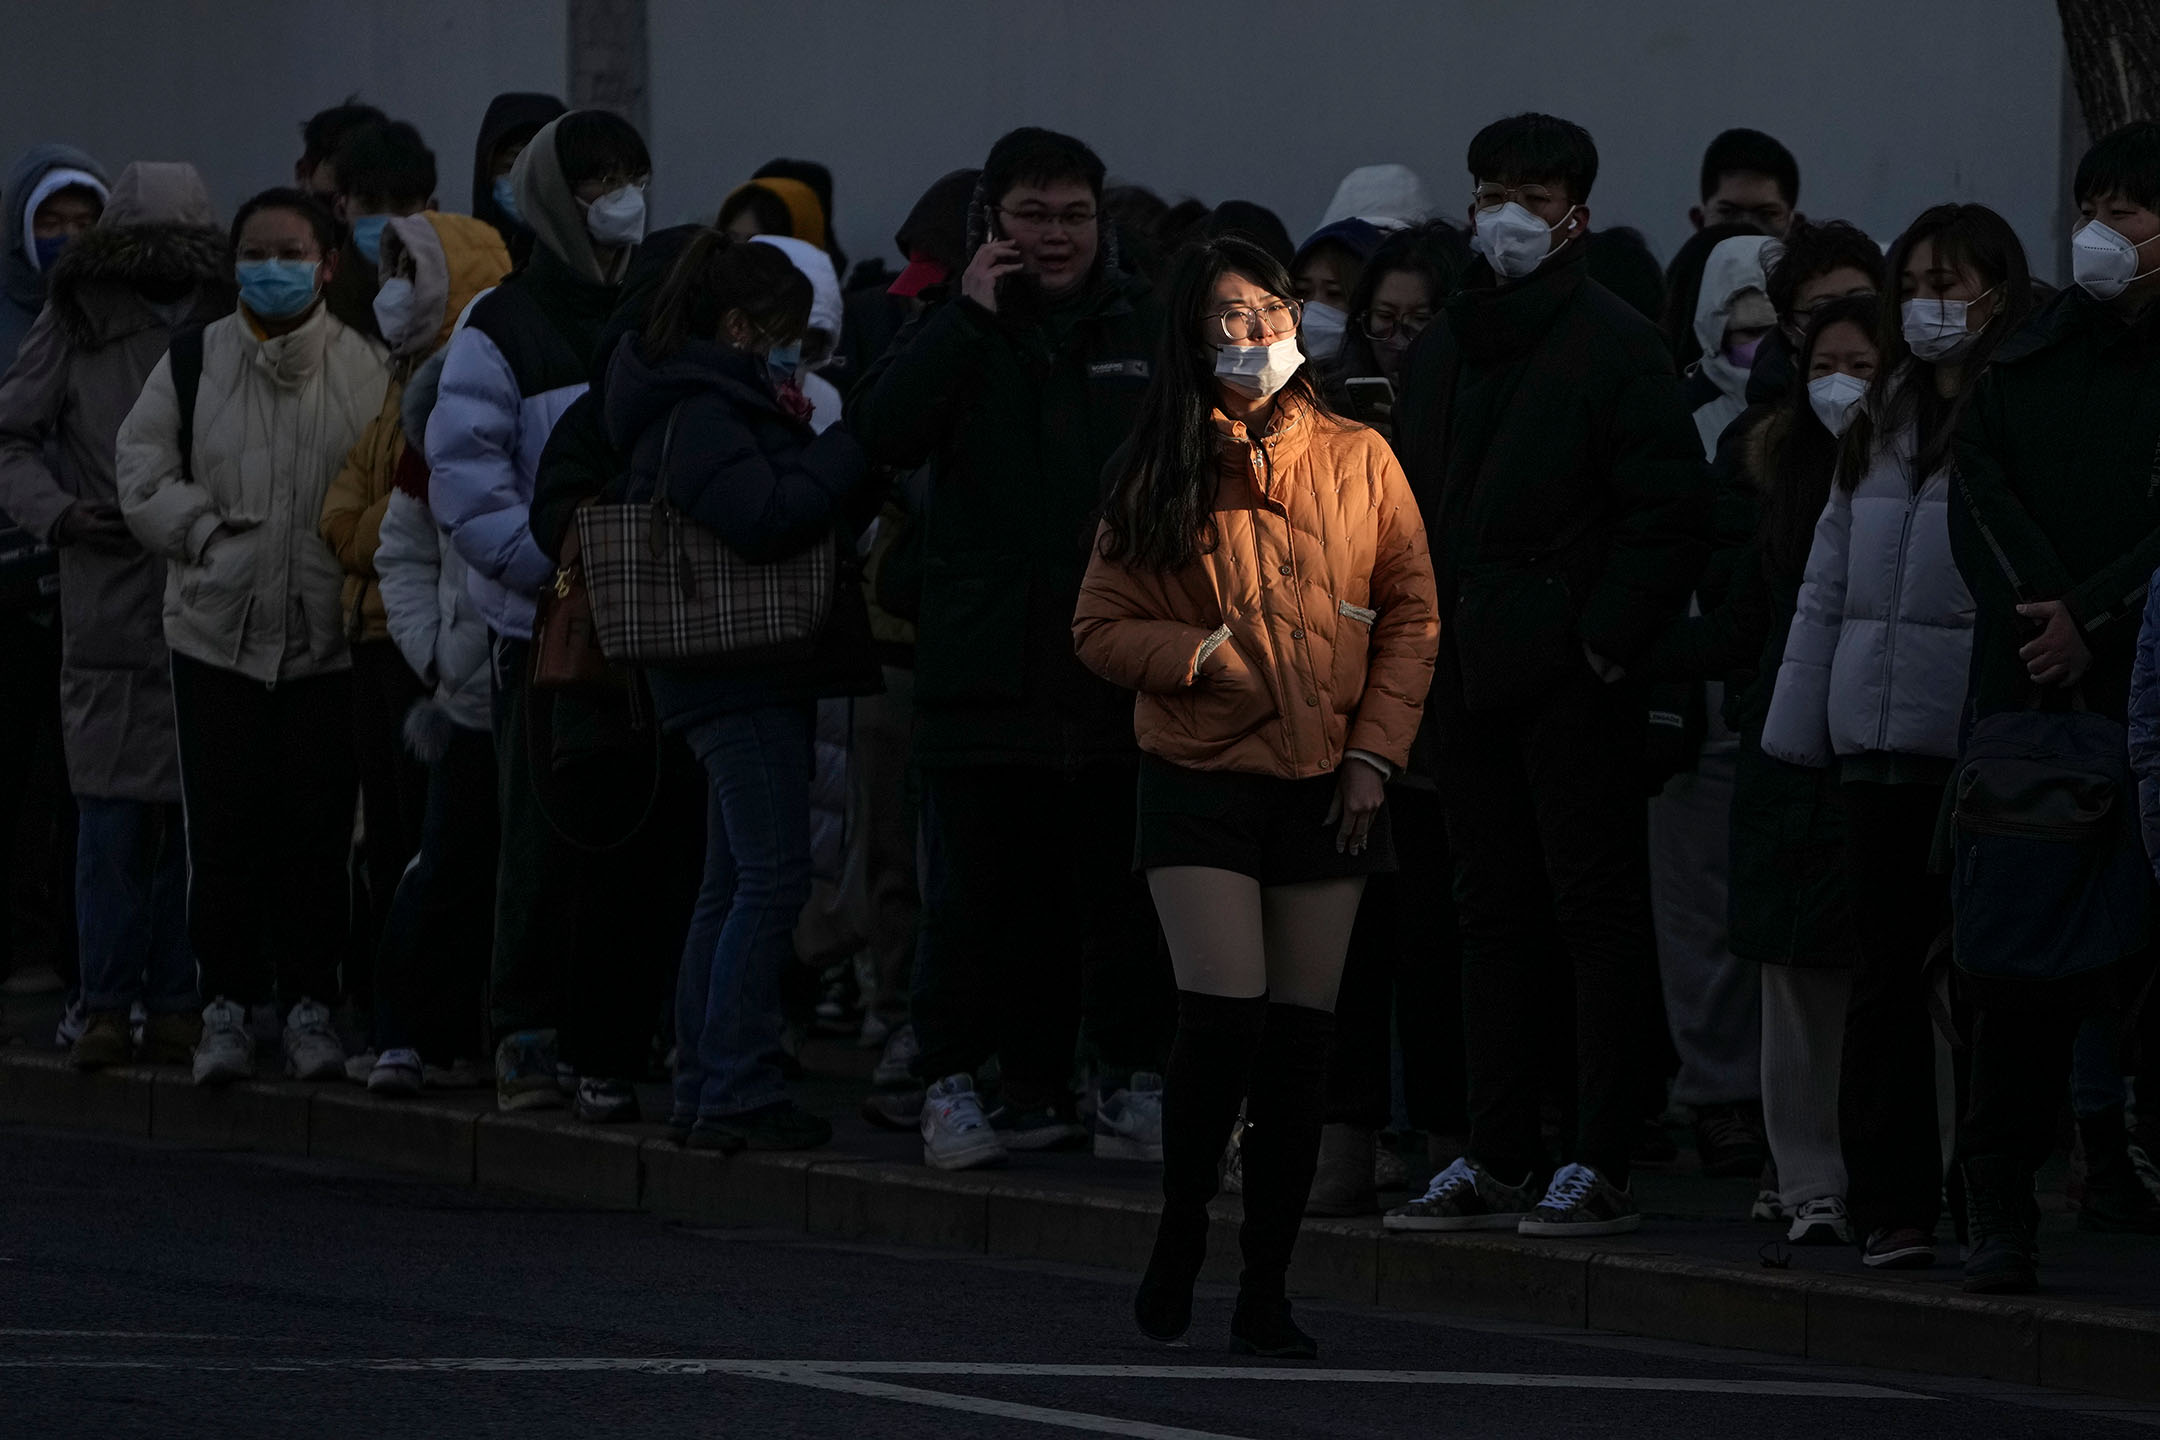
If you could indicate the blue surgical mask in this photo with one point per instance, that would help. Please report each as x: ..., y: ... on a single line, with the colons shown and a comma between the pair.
x: 46, y: 249
x: 783, y: 361
x: 276, y: 289
x: 506, y: 198
x: 367, y: 236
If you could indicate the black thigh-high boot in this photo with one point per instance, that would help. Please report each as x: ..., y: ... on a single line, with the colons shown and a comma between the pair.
x: 1284, y: 1110
x: 1209, y: 1061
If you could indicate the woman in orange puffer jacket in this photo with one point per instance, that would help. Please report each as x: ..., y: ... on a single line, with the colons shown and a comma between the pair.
x: 1261, y: 579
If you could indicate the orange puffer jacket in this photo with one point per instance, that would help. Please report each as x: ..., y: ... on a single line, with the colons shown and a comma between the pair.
x: 1323, y: 582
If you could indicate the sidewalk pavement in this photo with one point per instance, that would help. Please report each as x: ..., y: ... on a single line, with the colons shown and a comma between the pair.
x: 1695, y: 1272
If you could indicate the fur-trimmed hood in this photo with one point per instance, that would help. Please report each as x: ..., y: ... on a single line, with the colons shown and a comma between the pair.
x: 158, y: 229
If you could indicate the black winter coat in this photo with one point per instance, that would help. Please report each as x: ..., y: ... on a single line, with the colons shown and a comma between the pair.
x: 1561, y: 478
x: 1020, y: 419
x: 2059, y: 453
x: 744, y: 469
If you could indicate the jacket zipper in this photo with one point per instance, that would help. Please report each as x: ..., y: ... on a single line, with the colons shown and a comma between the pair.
x: 1283, y: 697
x: 1897, y: 605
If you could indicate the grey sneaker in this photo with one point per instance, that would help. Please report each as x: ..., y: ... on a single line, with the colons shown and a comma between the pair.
x: 395, y: 1072
x: 955, y: 1136
x: 1128, y: 1122
x: 1465, y: 1196
x: 226, y: 1051
x: 1580, y: 1203
x: 312, y: 1048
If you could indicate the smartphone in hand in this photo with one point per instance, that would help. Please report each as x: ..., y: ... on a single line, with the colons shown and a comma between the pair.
x: 1372, y: 397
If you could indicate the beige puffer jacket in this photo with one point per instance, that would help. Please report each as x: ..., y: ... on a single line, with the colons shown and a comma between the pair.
x: 250, y: 585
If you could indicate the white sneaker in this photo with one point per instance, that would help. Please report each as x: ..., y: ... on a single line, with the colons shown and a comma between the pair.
x: 226, y: 1051
x: 1821, y: 1221
x: 955, y: 1136
x: 895, y: 1065
x: 396, y: 1072
x: 312, y: 1048
x: 1128, y: 1122
x: 74, y: 1020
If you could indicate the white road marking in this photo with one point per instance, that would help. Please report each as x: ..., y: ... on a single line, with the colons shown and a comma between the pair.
x: 112, y: 1334
x: 817, y: 1372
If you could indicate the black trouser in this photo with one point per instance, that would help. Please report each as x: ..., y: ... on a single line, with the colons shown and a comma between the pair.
x: 1039, y: 914
x: 1887, y: 1115
x: 266, y: 774
x: 1403, y: 977
x: 1549, y: 831
x: 587, y: 942
x: 37, y: 814
x: 432, y: 969
x: 393, y: 788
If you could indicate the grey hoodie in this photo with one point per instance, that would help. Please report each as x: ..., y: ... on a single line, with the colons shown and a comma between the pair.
x: 22, y: 282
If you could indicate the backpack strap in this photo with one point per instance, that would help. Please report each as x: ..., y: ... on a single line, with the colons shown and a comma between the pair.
x: 186, y: 353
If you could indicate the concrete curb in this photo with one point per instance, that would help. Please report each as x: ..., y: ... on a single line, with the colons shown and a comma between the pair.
x: 2063, y: 1344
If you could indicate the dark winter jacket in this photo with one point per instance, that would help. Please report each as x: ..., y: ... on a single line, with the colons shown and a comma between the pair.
x: 1020, y: 418
x: 2058, y: 454
x: 1562, y: 482
x: 75, y: 379
x: 744, y: 469
x: 507, y: 115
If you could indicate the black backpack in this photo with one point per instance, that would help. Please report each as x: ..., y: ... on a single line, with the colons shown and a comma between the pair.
x: 186, y: 356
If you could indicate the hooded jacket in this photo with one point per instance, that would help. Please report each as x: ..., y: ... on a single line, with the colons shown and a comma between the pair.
x: 455, y: 259
x: 1734, y: 267
x: 806, y: 218
x: 1322, y: 580
x: 76, y: 377
x: 525, y: 352
x: 22, y: 284
x: 507, y: 114
x: 250, y: 586
x: 827, y: 313
x: 1881, y: 643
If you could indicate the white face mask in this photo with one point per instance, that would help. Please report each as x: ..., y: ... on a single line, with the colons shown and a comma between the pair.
x: 1514, y: 241
x: 2103, y: 261
x: 618, y: 217
x: 394, y: 309
x: 1323, y: 327
x: 1258, y: 370
x: 1936, y: 329
x: 1834, y: 397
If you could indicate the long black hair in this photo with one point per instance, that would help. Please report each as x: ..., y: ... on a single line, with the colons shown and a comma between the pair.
x: 1160, y: 511
x: 715, y: 274
x: 1967, y: 237
x: 1798, y: 485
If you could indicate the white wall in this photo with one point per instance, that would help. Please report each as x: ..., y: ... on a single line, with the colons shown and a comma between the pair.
x: 1889, y: 106
x: 226, y: 83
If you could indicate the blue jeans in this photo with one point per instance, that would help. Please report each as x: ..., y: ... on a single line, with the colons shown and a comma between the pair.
x: 131, y: 906
x: 757, y: 878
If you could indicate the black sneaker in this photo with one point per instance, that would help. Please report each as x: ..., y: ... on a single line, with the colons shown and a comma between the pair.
x: 1262, y: 1327
x: 782, y: 1126
x: 1904, y: 1247
x: 1038, y: 1127
x: 1580, y: 1203
x: 1729, y: 1141
x: 1465, y: 1196
x: 1654, y: 1145
x: 606, y: 1102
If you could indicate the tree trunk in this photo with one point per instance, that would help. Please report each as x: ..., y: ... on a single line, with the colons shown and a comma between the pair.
x: 608, y: 59
x: 2113, y: 50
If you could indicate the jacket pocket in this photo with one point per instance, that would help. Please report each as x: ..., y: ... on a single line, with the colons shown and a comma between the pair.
x: 217, y: 595
x: 1514, y: 632
x: 1224, y: 706
x: 1352, y: 660
x: 972, y: 648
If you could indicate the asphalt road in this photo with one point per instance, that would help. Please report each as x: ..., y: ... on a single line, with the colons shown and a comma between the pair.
x: 146, y: 1290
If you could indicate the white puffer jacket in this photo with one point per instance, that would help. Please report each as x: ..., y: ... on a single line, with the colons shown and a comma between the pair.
x: 250, y: 585
x: 1880, y: 648
x: 433, y: 620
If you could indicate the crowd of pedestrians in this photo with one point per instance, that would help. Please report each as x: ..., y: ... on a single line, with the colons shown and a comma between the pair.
x: 1241, y: 704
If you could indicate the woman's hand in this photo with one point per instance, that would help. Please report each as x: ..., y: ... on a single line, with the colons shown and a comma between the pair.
x: 2057, y: 655
x: 1359, y: 794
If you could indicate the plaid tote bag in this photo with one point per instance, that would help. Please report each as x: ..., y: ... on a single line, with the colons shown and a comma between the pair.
x: 666, y: 591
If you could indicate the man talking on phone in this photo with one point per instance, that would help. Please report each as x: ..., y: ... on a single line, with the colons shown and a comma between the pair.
x: 1016, y: 390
